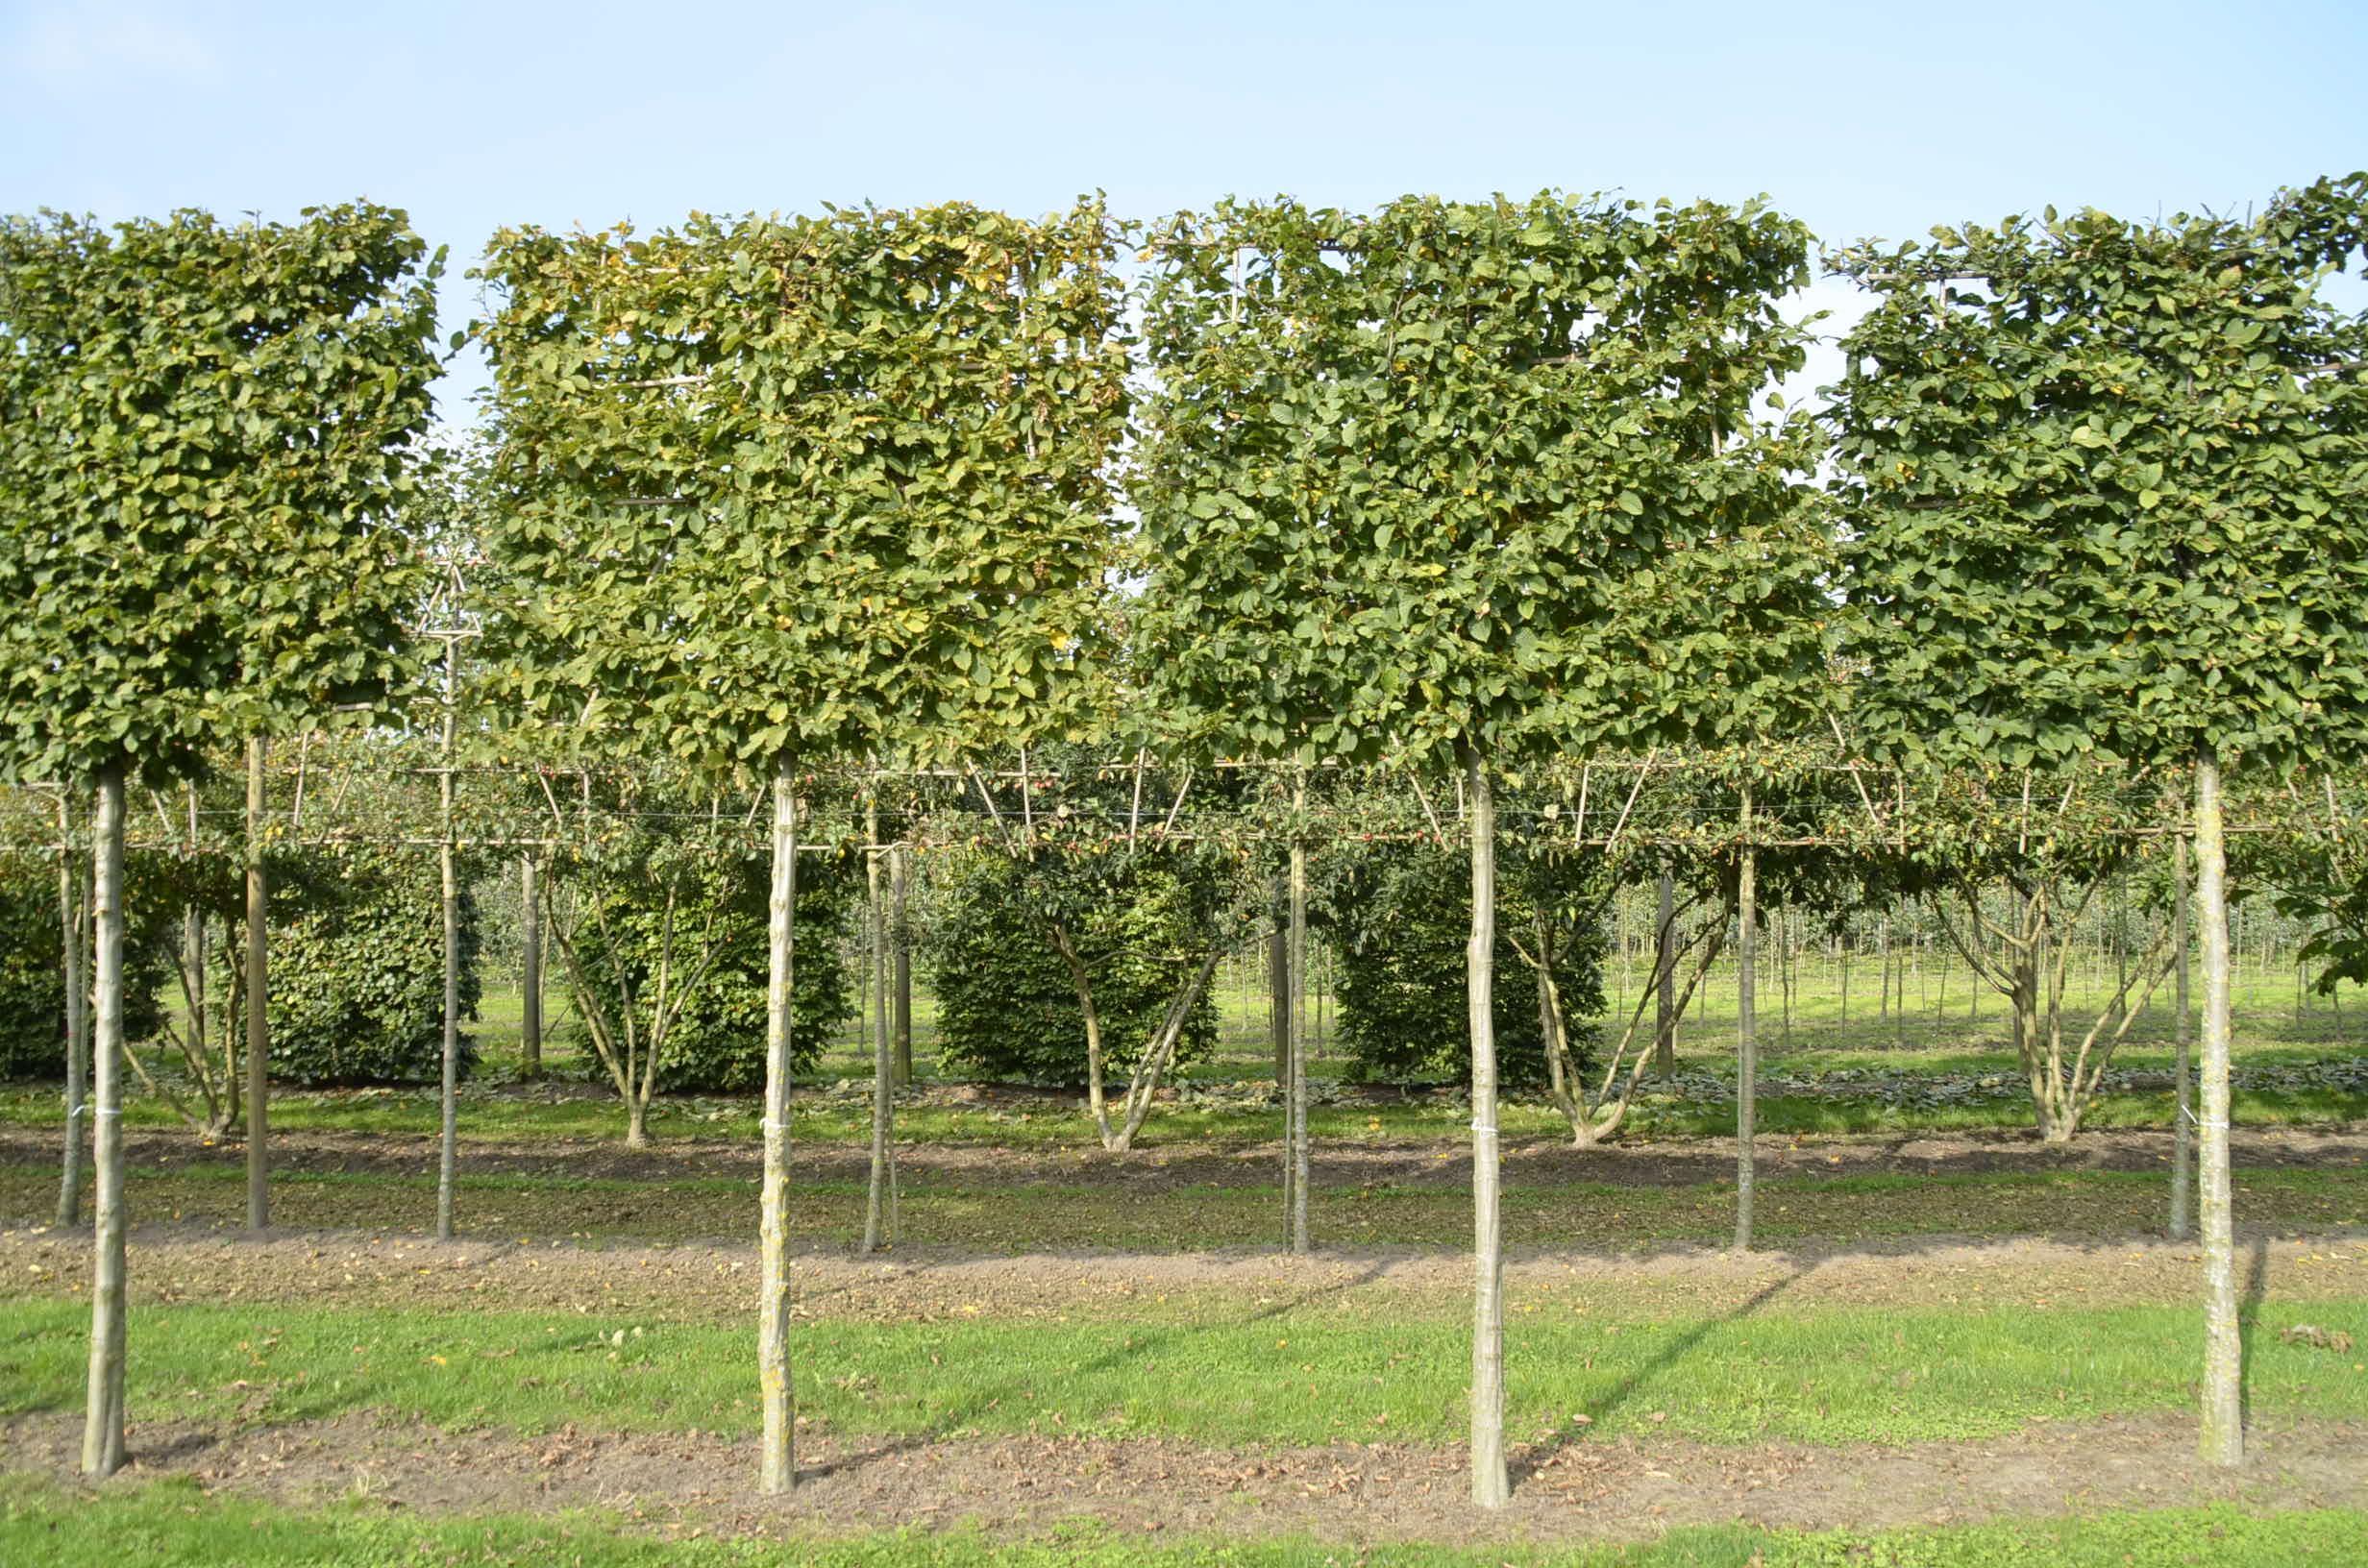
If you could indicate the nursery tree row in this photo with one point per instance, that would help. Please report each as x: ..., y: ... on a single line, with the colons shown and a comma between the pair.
x: 1469, y: 493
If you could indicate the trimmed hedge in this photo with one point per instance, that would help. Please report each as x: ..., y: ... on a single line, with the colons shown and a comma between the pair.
x: 33, y: 969
x: 1400, y: 927
x: 358, y: 968
x: 718, y: 1044
x: 1007, y: 1009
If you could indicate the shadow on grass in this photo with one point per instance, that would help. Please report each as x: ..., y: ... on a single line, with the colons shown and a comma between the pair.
x: 2248, y: 1321
x: 1532, y: 1458
x: 1142, y: 1345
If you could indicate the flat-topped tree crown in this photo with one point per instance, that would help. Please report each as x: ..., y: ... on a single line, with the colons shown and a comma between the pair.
x: 813, y: 486
x: 1479, y: 472
x: 2104, y: 482
x: 204, y: 437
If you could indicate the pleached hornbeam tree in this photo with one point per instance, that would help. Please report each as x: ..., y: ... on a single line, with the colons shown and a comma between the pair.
x: 205, y: 436
x: 2104, y: 481
x: 1445, y: 484
x: 798, y: 491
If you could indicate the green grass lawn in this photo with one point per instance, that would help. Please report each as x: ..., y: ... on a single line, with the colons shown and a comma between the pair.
x: 1326, y: 1370
x: 176, y: 1521
x: 978, y: 1216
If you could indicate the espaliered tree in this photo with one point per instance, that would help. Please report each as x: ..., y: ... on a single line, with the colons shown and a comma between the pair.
x: 1463, y: 485
x: 203, y: 439
x: 807, y: 489
x: 2104, y: 480
x: 1135, y: 917
x: 2011, y: 860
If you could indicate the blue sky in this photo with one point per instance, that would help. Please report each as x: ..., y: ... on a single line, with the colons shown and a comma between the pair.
x: 1861, y: 120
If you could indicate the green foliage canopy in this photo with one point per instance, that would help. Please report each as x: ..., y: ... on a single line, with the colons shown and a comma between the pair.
x: 1483, y: 473
x: 203, y: 437
x: 2104, y: 485
x: 1007, y: 1006
x: 816, y: 486
x: 357, y: 969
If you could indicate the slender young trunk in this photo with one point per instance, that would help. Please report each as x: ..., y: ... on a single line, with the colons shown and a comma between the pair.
x: 1142, y: 1084
x: 1665, y: 965
x: 2223, y: 1436
x: 1278, y: 982
x: 1563, y: 1088
x: 1320, y: 985
x: 1490, y: 1485
x: 1278, y: 1004
x: 73, y: 923
x: 1294, y: 958
x: 2183, y: 1065
x: 2036, y: 1036
x: 901, y: 943
x: 878, y: 1208
x: 1882, y: 998
x: 778, y: 1463
x: 1081, y: 981
x: 2121, y: 930
x: 448, y: 1149
x: 1899, y: 995
x: 1841, y: 956
x: 1941, y: 970
x: 1747, y: 1024
x: 259, y: 996
x: 531, y: 968
x: 218, y: 1083
x: 103, y: 1420
x: 200, y: 1027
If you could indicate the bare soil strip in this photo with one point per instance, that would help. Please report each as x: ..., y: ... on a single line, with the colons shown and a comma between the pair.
x: 1532, y: 1162
x: 1564, y: 1491
x: 717, y: 1283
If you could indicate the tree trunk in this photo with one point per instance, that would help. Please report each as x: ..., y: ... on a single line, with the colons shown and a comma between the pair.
x: 448, y: 1149
x: 1278, y: 983
x: 1883, y: 999
x: 103, y: 1420
x: 1490, y: 1485
x: 1842, y: 956
x: 900, y: 939
x: 1899, y: 993
x: 1665, y: 965
x: 530, y: 969
x: 777, y: 1462
x: 199, y: 1025
x: 1940, y: 981
x: 1081, y: 981
x: 1278, y: 1005
x: 2223, y: 1436
x: 878, y: 1207
x: 73, y: 924
x: 2036, y: 1029
x: 1746, y: 1025
x: 636, y: 1121
x: 1142, y: 1084
x: 259, y: 996
x: 1295, y: 966
x: 2183, y: 1065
